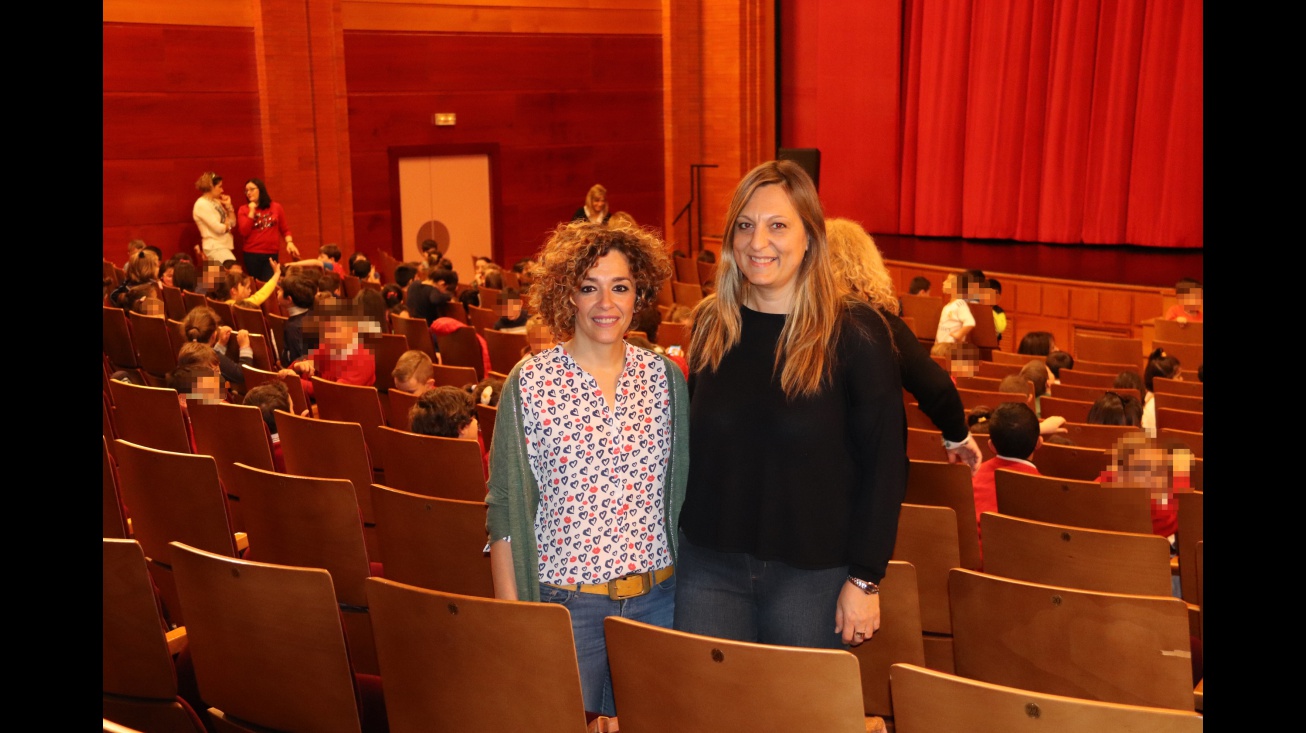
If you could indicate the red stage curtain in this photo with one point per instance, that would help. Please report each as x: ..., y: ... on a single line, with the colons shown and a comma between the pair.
x: 1074, y: 121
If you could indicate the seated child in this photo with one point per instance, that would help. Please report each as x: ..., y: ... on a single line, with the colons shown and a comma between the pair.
x: 956, y: 320
x: 963, y: 359
x: 1058, y: 360
x: 920, y: 285
x: 1189, y: 308
x: 448, y: 412
x: 413, y: 372
x: 539, y: 337
x: 1138, y: 460
x: 329, y: 255
x: 269, y: 398
x: 1013, y: 436
x: 195, y: 382
x: 298, y: 292
x: 512, y: 317
x: 993, y: 293
x: 1116, y: 409
x: 341, y: 356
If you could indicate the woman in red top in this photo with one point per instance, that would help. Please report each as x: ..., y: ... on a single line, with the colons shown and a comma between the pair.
x: 262, y: 223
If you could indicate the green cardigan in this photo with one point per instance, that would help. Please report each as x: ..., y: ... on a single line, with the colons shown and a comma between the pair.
x: 515, y: 497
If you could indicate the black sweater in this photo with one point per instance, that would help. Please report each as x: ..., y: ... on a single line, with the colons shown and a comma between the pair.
x: 929, y: 383
x: 816, y: 482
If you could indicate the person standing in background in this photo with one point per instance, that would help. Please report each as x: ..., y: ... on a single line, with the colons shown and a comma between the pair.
x: 262, y: 223
x: 215, y: 218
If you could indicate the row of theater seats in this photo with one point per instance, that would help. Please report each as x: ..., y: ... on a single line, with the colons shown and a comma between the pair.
x: 933, y: 617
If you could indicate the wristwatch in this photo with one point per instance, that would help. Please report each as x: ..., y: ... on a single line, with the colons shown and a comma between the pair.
x: 866, y: 586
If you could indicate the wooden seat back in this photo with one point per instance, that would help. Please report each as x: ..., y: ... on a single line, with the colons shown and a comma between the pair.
x: 686, y: 270
x: 1075, y: 557
x: 490, y: 297
x: 331, y: 449
x: 997, y: 370
x: 1108, y: 349
x: 433, y: 543
x: 505, y: 347
x: 418, y: 333
x: 673, y: 334
x: 401, y: 405
x: 485, y: 416
x: 138, y: 676
x: 450, y: 468
x: 482, y: 317
x: 232, y: 434
x: 1071, y: 377
x: 929, y: 701
x: 1087, y: 435
x: 1014, y: 358
x: 1178, y: 419
x: 1188, y: 536
x: 1187, y: 437
x: 174, y: 306
x: 1068, y: 461
x: 1072, y: 410
x: 461, y: 347
x: 1192, y: 388
x: 980, y: 384
x: 457, y: 663
x: 1111, y: 368
x: 1075, y: 503
x: 117, y: 335
x: 898, y: 639
x: 1174, y: 401
x: 388, y: 348
x: 737, y: 685
x: 255, y: 376
x: 688, y: 292
x: 925, y: 311
x: 267, y: 643
x: 972, y: 398
x: 927, y: 538
x: 192, y: 300
x: 925, y: 445
x: 149, y: 416
x: 353, y: 403
x: 153, y: 347
x: 706, y: 272
x: 1029, y: 635
x: 1167, y: 331
x: 1190, y: 355
x: 115, y: 523
x: 453, y: 376
x: 937, y: 483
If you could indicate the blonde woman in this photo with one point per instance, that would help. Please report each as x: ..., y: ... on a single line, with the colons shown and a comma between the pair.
x: 595, y: 209
x: 798, y: 461
x: 859, y: 267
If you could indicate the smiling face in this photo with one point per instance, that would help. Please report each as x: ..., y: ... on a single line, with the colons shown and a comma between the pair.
x: 605, y: 301
x: 769, y: 243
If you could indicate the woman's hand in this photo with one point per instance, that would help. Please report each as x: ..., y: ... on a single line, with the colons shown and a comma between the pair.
x: 856, y: 615
x: 291, y: 249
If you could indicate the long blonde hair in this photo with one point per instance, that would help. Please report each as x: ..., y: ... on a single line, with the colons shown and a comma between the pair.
x: 858, y: 265
x: 805, y: 352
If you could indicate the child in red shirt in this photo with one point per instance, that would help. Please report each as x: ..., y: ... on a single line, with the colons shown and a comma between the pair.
x: 1014, y: 436
x: 1189, y: 308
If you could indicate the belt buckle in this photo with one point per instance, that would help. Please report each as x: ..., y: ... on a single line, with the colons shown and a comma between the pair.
x: 645, y: 582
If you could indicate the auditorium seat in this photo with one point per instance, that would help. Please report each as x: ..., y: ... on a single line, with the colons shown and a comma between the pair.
x: 1031, y: 636
x: 928, y: 701
x: 432, y: 542
x: 736, y: 686
x: 461, y: 663
x: 268, y: 645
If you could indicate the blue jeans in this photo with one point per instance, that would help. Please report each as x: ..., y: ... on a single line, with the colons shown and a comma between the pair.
x: 587, y: 613
x: 733, y: 595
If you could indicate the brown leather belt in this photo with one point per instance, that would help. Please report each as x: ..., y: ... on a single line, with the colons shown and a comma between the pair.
x: 633, y: 585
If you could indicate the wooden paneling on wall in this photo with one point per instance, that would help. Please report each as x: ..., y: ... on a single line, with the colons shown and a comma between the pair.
x: 570, y: 89
x: 1061, y: 307
x: 178, y: 100
x: 719, y: 64
x: 566, y: 111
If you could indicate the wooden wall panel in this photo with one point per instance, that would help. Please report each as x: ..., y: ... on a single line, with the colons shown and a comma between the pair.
x: 178, y: 100
x: 1084, y: 304
x: 1116, y: 307
x: 552, y: 104
x: 504, y: 16
x: 1055, y: 301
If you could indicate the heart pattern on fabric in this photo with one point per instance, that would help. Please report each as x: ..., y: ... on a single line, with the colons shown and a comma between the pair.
x: 600, y: 470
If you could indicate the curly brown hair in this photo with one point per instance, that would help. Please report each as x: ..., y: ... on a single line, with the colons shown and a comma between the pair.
x: 572, y: 250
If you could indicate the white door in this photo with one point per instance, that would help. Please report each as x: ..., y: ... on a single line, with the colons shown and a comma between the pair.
x: 446, y: 198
